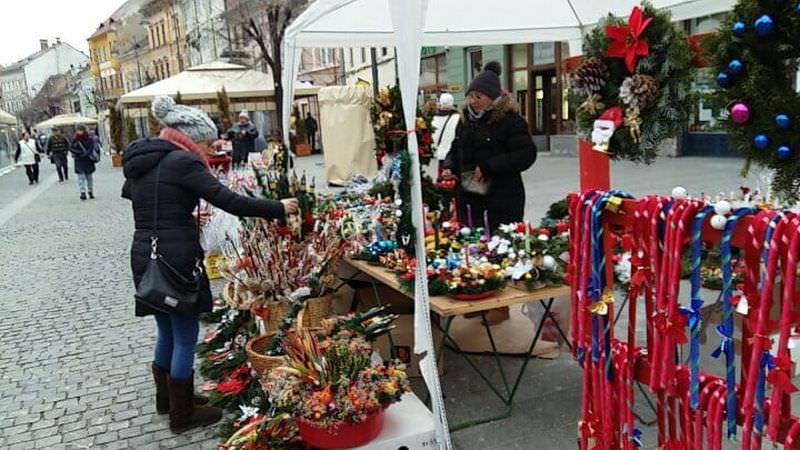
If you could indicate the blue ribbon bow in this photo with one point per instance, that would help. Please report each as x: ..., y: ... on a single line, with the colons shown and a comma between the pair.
x: 724, y: 343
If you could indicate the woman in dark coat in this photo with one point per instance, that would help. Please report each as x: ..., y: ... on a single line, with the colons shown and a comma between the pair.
x: 493, y: 143
x: 84, y: 149
x: 178, y: 158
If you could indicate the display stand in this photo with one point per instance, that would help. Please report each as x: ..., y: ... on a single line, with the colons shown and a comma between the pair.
x: 448, y: 308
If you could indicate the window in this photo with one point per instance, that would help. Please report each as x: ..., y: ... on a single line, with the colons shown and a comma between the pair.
x: 351, y: 61
x: 363, y: 55
x: 433, y: 73
x: 384, y: 51
x: 475, y: 57
x: 326, y: 56
x: 166, y: 64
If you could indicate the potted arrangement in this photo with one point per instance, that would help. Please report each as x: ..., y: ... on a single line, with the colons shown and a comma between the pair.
x: 116, y: 126
x: 335, y: 394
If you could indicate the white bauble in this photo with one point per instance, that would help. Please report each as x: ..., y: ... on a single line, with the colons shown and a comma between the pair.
x: 466, y: 231
x: 680, y: 192
x: 548, y: 262
x: 718, y: 222
x: 723, y: 207
x: 543, y: 237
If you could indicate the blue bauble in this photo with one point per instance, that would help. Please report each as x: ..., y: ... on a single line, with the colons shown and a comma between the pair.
x: 764, y: 25
x: 739, y: 28
x: 761, y: 141
x: 784, y: 152
x: 782, y: 121
x: 735, y: 67
x: 723, y: 80
x: 797, y: 8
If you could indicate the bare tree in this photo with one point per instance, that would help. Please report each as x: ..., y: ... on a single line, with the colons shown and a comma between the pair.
x: 265, y: 22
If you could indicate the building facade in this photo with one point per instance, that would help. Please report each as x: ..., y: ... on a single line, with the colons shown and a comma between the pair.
x: 103, y: 61
x: 165, y: 37
x: 23, y: 80
x: 206, y: 30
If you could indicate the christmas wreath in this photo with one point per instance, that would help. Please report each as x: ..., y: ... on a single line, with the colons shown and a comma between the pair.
x: 756, y: 57
x: 632, y: 84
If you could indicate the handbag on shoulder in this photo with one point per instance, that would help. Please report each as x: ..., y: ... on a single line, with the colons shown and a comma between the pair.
x: 162, y: 287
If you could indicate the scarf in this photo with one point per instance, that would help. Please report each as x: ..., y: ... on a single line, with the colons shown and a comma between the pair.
x: 476, y: 116
x: 184, y: 142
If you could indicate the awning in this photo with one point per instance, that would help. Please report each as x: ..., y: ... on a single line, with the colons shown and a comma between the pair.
x: 65, y: 120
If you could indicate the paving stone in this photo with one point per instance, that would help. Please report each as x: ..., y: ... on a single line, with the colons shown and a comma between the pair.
x: 48, y: 442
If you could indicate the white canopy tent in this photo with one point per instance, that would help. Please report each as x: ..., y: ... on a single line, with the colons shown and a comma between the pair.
x: 204, y: 81
x: 7, y: 119
x: 410, y: 24
x: 64, y: 120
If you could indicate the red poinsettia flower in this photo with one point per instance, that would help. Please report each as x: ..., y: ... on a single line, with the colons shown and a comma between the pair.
x: 626, y: 41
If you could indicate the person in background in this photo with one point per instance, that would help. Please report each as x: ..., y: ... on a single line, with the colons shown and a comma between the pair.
x: 445, y: 123
x: 243, y: 135
x: 41, y: 140
x: 175, y: 165
x: 311, y: 131
x: 28, y: 155
x: 57, y: 149
x: 491, y: 149
x: 86, y: 154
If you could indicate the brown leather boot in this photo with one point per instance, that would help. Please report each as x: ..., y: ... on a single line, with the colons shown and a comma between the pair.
x: 161, y: 378
x: 184, y: 415
x: 496, y: 316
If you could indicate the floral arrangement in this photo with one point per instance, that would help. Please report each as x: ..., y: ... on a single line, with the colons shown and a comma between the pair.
x: 390, y: 127
x: 633, y: 83
x: 536, y: 262
x: 333, y: 382
x: 262, y: 432
x: 269, y: 263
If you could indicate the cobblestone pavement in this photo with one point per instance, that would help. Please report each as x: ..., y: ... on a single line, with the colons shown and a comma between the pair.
x: 74, y: 362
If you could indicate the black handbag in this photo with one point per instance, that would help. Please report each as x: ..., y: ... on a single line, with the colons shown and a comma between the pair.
x: 162, y: 287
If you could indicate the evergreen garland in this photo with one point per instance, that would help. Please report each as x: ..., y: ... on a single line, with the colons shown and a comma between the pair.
x: 669, y: 65
x: 765, y: 84
x: 116, y: 125
x: 406, y: 232
x: 224, y: 107
x: 130, y: 130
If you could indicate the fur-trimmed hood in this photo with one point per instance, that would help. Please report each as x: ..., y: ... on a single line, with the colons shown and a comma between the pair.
x: 502, y: 107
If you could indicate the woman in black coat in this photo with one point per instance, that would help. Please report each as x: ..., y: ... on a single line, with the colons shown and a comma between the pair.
x: 85, y: 152
x: 493, y: 145
x: 175, y: 165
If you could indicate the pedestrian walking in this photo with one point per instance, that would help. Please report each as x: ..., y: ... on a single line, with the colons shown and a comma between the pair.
x: 491, y: 150
x: 165, y: 178
x: 311, y: 131
x: 28, y: 155
x: 445, y: 123
x: 86, y: 154
x: 243, y: 135
x: 57, y: 149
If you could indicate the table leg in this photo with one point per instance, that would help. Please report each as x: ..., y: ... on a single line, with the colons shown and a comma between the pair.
x: 496, y: 355
x: 535, y: 340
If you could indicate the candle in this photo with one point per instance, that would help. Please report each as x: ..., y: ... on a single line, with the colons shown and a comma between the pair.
x: 469, y: 216
x: 435, y: 220
x: 527, y: 238
x: 486, y: 223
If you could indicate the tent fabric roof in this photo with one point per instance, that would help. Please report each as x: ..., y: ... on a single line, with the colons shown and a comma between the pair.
x: 366, y: 23
x: 64, y: 120
x: 203, y: 82
x: 7, y: 119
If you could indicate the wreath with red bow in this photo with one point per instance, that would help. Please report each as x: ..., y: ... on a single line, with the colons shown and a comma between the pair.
x: 631, y: 87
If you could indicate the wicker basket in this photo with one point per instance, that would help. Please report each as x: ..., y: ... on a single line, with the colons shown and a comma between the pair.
x: 238, y: 298
x: 316, y: 309
x: 271, y: 313
x: 260, y: 362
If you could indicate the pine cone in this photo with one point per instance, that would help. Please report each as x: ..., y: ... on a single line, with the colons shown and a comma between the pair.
x: 590, y: 77
x: 644, y: 89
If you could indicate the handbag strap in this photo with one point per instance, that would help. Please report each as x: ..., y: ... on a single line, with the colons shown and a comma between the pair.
x: 444, y: 127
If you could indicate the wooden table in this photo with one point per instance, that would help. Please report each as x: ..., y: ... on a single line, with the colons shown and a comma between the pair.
x: 448, y: 308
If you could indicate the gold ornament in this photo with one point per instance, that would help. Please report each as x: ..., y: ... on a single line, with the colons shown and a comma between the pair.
x: 600, y: 307
x: 592, y: 105
x: 633, y: 122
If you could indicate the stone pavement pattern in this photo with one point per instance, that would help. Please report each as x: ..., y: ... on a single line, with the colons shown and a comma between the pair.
x: 74, y: 363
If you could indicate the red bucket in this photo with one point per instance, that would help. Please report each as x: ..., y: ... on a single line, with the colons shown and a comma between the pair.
x: 342, y: 435
x: 471, y: 297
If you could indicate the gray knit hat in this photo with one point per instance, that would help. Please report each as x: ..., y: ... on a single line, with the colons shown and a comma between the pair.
x: 488, y: 81
x: 190, y: 121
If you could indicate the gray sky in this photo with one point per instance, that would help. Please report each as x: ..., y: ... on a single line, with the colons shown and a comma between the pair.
x: 24, y: 22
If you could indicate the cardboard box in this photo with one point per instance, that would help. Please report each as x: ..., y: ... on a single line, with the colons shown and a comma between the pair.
x: 403, y: 334
x: 407, y: 425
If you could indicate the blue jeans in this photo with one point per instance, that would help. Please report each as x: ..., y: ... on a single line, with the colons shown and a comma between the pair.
x: 175, y: 344
x: 86, y: 182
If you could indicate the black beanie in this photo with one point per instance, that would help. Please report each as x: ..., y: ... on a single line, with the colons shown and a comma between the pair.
x: 488, y: 81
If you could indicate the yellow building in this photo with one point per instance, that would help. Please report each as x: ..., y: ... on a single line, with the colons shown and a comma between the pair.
x: 167, y: 54
x: 103, y: 63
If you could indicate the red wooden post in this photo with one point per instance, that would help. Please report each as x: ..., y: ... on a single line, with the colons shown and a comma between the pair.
x: 594, y: 168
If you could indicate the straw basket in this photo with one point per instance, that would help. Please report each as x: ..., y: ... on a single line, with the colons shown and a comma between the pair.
x: 239, y: 298
x: 316, y: 309
x: 257, y: 346
x: 271, y: 313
